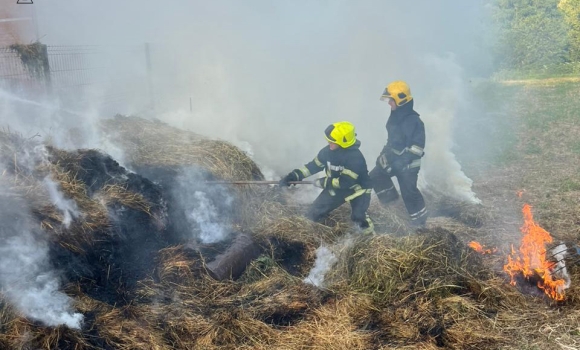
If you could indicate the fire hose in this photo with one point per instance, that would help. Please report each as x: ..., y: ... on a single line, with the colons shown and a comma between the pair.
x: 256, y: 182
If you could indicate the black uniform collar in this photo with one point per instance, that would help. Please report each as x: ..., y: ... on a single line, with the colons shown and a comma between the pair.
x: 405, y: 109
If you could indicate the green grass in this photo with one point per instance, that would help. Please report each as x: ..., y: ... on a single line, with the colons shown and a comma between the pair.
x: 552, y: 104
x: 533, y: 148
x: 570, y: 184
x: 494, y: 124
x: 560, y: 70
x: 575, y: 147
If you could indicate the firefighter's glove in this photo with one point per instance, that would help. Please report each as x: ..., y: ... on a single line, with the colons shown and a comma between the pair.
x: 382, y: 161
x: 320, y: 183
x: 285, y: 181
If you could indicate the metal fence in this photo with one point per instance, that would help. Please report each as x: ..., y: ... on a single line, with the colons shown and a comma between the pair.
x: 103, y: 78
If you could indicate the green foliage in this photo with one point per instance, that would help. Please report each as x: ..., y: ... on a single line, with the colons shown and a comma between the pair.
x: 531, y: 33
x: 571, y: 11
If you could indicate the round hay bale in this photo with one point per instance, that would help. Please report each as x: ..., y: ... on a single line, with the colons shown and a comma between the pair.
x: 149, y: 143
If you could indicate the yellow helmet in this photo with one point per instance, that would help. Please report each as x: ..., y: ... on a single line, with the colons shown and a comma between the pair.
x: 399, y: 91
x: 341, y: 133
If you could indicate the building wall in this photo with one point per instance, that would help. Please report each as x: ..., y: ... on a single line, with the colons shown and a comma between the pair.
x: 16, y: 23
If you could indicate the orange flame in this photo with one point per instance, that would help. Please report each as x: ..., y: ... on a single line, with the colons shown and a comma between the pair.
x: 531, y: 260
x: 479, y: 248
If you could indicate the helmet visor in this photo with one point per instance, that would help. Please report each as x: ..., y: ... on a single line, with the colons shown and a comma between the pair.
x: 385, y: 96
x: 328, y: 133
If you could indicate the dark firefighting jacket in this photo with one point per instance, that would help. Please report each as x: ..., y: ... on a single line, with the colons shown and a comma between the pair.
x: 345, y: 168
x: 406, y: 138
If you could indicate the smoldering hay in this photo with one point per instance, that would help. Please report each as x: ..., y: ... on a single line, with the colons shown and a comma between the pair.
x: 132, y: 261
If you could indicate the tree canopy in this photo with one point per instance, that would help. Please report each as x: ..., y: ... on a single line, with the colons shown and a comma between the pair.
x: 536, y: 33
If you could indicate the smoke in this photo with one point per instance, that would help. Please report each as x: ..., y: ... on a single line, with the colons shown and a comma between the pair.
x: 274, y: 75
x: 441, y: 170
x: 206, y: 216
x: 27, y: 281
x: 325, y: 259
x: 206, y: 208
x: 27, y: 278
x: 68, y: 207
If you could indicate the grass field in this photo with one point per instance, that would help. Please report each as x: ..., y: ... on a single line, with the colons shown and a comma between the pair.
x: 536, y: 150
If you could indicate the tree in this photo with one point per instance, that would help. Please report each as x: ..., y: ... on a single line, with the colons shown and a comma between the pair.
x: 571, y: 11
x: 531, y: 33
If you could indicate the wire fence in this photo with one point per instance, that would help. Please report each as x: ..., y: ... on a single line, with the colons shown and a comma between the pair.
x: 79, y: 77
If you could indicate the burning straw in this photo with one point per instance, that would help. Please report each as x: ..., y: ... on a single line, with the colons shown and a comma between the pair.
x: 531, y: 261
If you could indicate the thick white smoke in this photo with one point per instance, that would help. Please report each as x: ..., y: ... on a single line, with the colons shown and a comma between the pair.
x: 206, y: 208
x: 440, y: 169
x: 28, y: 282
x: 26, y: 274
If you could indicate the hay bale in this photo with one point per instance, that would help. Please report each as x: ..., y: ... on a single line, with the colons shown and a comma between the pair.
x: 279, y: 299
x: 121, y: 330
x: 177, y: 264
x: 435, y: 264
x: 335, y: 325
x: 149, y: 143
x: 16, y: 332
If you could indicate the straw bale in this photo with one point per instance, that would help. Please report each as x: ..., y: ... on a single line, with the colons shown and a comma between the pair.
x: 121, y: 331
x: 275, y: 219
x: 434, y: 264
x: 21, y: 334
x: 155, y: 144
x: 454, y: 322
x: 177, y: 264
x: 279, y: 299
x: 334, y: 325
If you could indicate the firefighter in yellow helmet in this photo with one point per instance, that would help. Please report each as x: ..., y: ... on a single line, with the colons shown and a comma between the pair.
x: 401, y: 156
x: 346, y: 179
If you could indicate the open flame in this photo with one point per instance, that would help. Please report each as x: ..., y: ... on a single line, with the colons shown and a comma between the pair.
x: 530, y: 260
x: 480, y: 249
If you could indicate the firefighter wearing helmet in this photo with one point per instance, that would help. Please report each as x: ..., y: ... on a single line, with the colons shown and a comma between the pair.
x: 401, y: 156
x: 346, y: 179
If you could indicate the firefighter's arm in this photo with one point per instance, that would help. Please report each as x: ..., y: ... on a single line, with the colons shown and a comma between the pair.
x: 313, y: 167
x: 415, y: 138
x: 310, y: 168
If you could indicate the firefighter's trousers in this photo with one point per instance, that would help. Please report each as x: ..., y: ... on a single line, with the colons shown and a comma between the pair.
x: 387, y: 193
x: 326, y: 202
